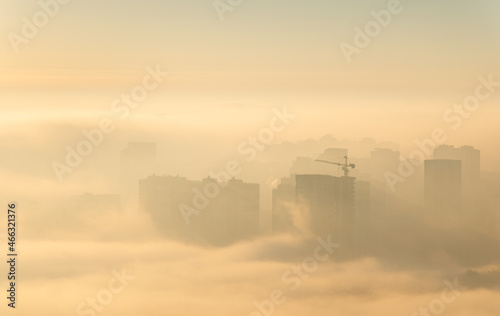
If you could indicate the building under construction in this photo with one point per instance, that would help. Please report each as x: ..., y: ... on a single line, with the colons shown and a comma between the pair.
x: 330, y: 203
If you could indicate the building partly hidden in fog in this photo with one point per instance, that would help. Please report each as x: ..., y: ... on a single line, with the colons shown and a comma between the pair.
x: 443, y: 186
x: 331, y: 204
x: 333, y: 207
x: 206, y: 211
x: 137, y: 161
x: 471, y: 162
x: 383, y: 161
x: 284, y: 207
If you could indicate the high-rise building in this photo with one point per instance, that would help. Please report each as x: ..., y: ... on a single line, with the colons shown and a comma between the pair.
x: 470, y: 158
x: 383, y: 160
x: 384, y: 163
x: 443, y: 186
x: 283, y: 204
x: 234, y: 214
x: 331, y: 202
x: 161, y: 196
x: 363, y: 207
x: 137, y: 161
x: 223, y: 212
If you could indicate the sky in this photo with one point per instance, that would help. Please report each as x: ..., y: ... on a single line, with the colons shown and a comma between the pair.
x: 95, y: 40
x: 264, y: 54
x: 226, y: 76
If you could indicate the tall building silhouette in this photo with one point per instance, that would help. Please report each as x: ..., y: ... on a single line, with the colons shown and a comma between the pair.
x: 226, y: 212
x: 283, y: 202
x: 443, y: 186
x: 363, y: 197
x: 470, y: 158
x: 383, y: 160
x: 137, y: 161
x: 331, y: 202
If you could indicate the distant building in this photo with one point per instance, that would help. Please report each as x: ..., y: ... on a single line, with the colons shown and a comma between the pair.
x: 137, y: 161
x: 334, y: 154
x: 470, y: 158
x: 283, y: 204
x: 338, y: 206
x: 234, y: 214
x: 331, y: 202
x: 306, y: 165
x: 363, y: 207
x: 363, y: 197
x: 161, y: 196
x: 443, y: 186
x: 228, y: 211
x: 384, y: 160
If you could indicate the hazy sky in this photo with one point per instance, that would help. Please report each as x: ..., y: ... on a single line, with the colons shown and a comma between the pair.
x: 102, y: 40
x: 226, y: 76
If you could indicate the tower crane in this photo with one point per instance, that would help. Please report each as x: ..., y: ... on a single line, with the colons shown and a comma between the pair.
x: 345, y: 166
